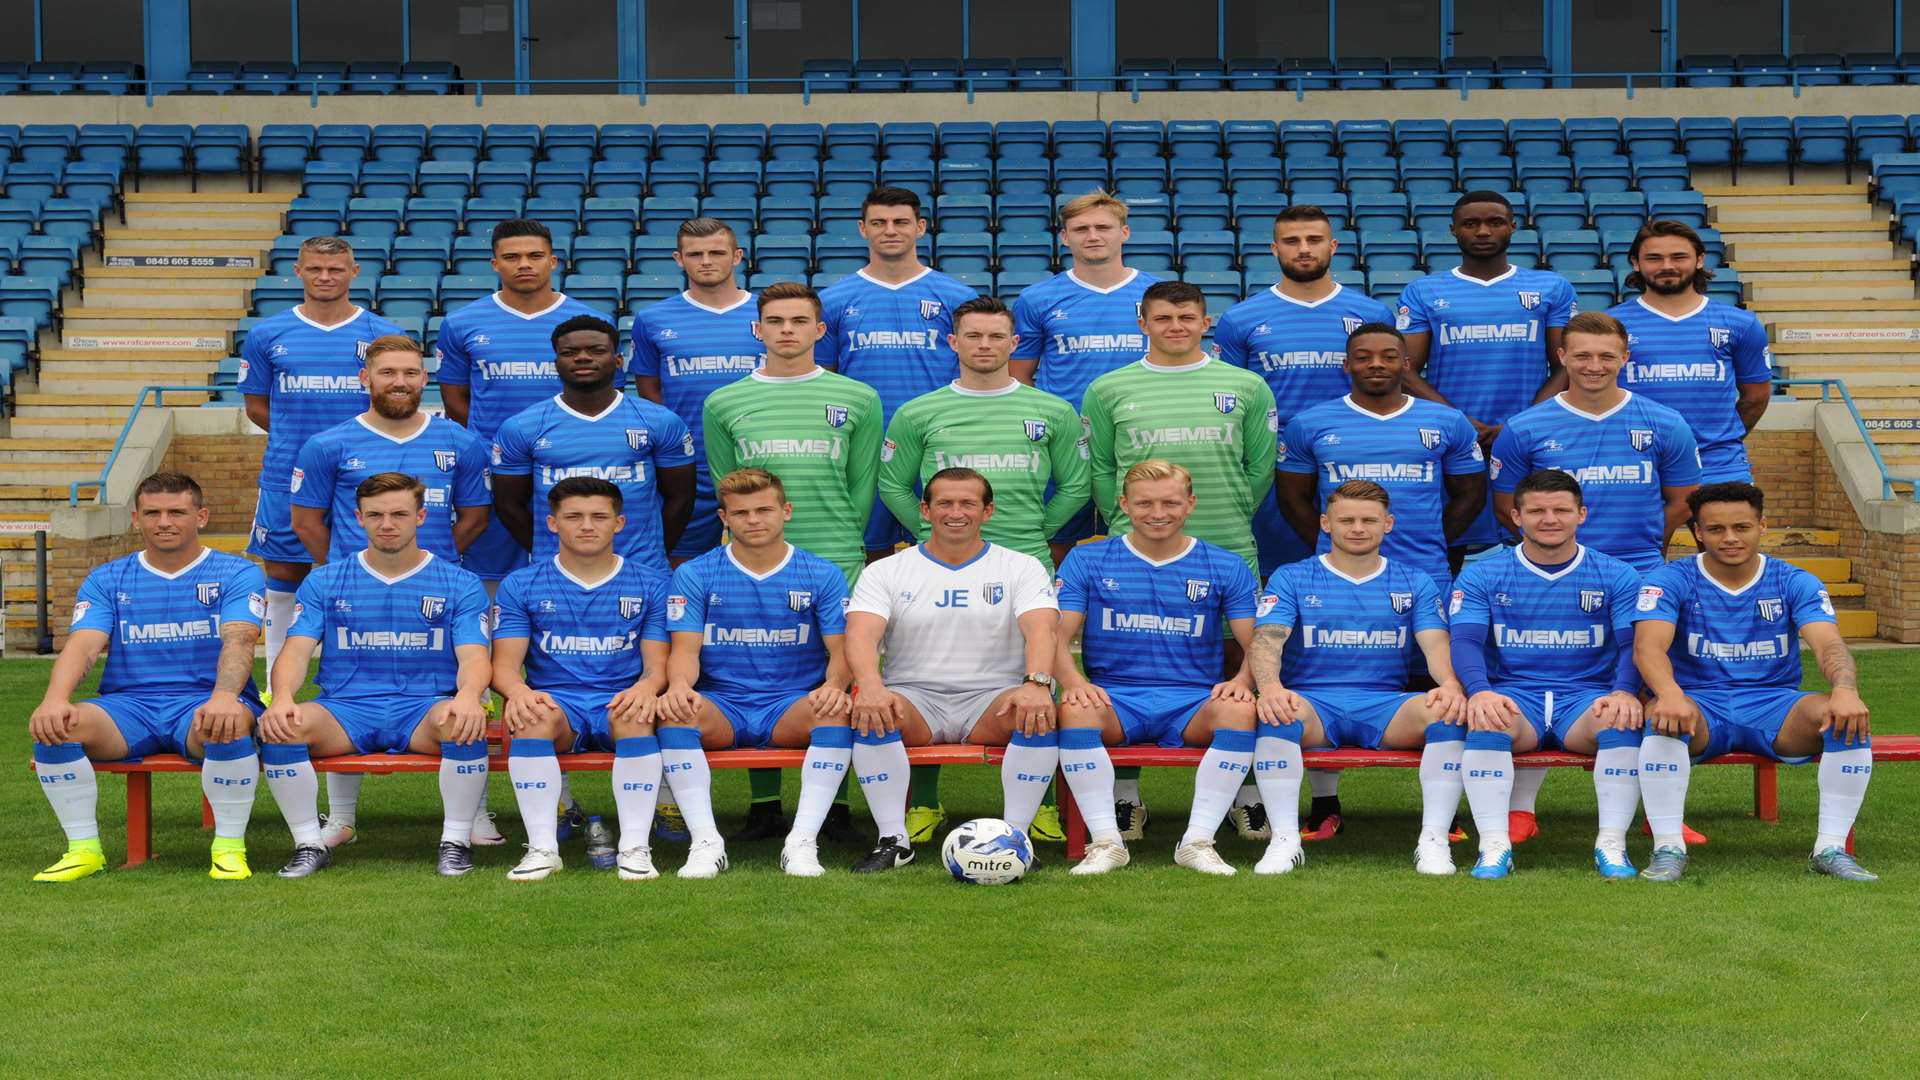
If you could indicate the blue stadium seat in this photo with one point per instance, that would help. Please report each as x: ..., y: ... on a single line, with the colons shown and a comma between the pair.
x: 826, y: 76
x: 1127, y: 138
x: 1251, y: 138
x: 1079, y: 139
x: 1205, y: 249
x: 212, y: 77
x: 1380, y: 211
x: 1021, y: 213
x: 1146, y: 74
x: 1151, y: 212
x: 916, y: 141
x: 1256, y: 214
x: 1389, y: 249
x: 1707, y: 140
x: 264, y: 77
x: 1414, y: 72
x: 274, y: 294
x: 1041, y: 73
x: 482, y: 214
x: 1307, y: 73
x: 1895, y: 175
x: 1422, y: 138
x: 1763, y: 69
x: 933, y: 75
x: 446, y: 179
x: 1823, y: 140
x: 848, y: 179
x: 852, y: 142
x: 373, y: 77
x: 739, y: 142
x: 435, y: 216
x: 1873, y: 69
x: 1593, y: 289
x: 1310, y: 176
x: 455, y: 142
x: 1486, y: 171
x: 964, y: 252
x: 421, y: 256
x: 1654, y: 135
x: 1544, y: 175
x: 1365, y: 138
x: 1432, y: 211
x: 285, y: 148
x: 1252, y: 175
x: 1558, y: 211
x: 561, y: 179
x: 1131, y: 176
x: 1571, y: 249
x: 603, y: 291
x: 1882, y: 133
x: 1479, y: 138
x: 1439, y: 251
x: 1428, y: 175
x: 734, y: 179
x: 34, y: 180
x: 1819, y: 69
x: 576, y: 143
x: 619, y: 217
x: 654, y: 254
x: 54, y: 255
x: 1335, y: 206
x: 1620, y: 210
x: 915, y: 176
x: 880, y: 76
x: 1310, y: 138
x: 329, y: 180
x: 1191, y: 139
x: 839, y: 215
x: 1199, y: 212
x: 987, y: 74
x: 1523, y: 72
x: 1472, y: 72
x: 220, y: 148
x: 1661, y: 172
x: 112, y: 144
x: 626, y: 142
x: 503, y: 179
x: 1593, y: 136
x: 408, y: 295
x: 1074, y: 176
x: 677, y: 178
x: 458, y: 290
x: 1713, y: 70
x: 1687, y: 206
x: 964, y: 213
x: 379, y: 218
x: 793, y: 215
x: 1757, y: 140
x: 1362, y: 72
x: 1198, y: 73
x: 1366, y: 175
x: 1387, y: 285
x: 682, y: 142
x: 1524, y: 250
x: 560, y: 216
x: 1597, y: 173
x: 428, y: 77
x: 618, y: 179
x: 346, y: 143
x: 1147, y: 250
x: 1252, y: 73
x: 838, y: 253
x: 783, y: 178
x: 1536, y: 138
x: 965, y: 177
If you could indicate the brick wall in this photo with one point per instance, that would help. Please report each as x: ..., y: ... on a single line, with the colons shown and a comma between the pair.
x: 68, y: 563
x: 228, y: 468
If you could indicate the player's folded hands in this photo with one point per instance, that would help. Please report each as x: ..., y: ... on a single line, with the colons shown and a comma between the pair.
x: 681, y: 702
x: 222, y: 718
x: 1488, y: 711
x: 1448, y: 703
x: 1032, y: 709
x: 1280, y: 706
x: 1674, y: 715
x: 51, y: 723
x: 1620, y: 711
x: 829, y: 701
x: 527, y: 708
x: 465, y: 720
x: 1231, y: 690
x: 281, y: 721
x: 1086, y: 696
x: 876, y: 711
x: 1846, y: 716
x: 634, y: 705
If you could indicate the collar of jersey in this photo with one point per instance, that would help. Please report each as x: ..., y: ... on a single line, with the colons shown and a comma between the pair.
x: 1124, y: 282
x: 759, y: 374
x: 1326, y: 562
x: 1579, y: 556
x: 1192, y: 543
x: 601, y: 415
x: 1371, y: 415
x: 1205, y: 359
x: 871, y: 280
x: 687, y: 295
x: 985, y: 546
x: 1642, y: 301
x: 781, y: 565
x: 558, y: 299
x: 1511, y: 270
x: 1011, y: 388
x: 361, y: 555
x: 1757, y: 575
x: 619, y: 562
x: 1295, y: 301
x: 426, y: 421
x: 1560, y: 399
x: 322, y: 327
x: 149, y: 567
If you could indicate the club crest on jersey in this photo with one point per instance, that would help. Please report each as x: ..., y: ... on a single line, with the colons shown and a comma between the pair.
x: 360, y: 349
x: 632, y: 606
x: 1592, y: 599
x: 929, y: 309
x: 1431, y: 438
x: 836, y: 416
x: 799, y: 600
x: 1642, y: 438
x: 445, y: 460
x: 1198, y: 590
x: 1529, y: 299
x: 676, y: 607
x: 638, y: 438
x: 1036, y: 430
x: 1226, y: 403
x: 1402, y: 602
x: 1350, y: 323
x: 994, y: 591
x: 208, y: 592
x: 432, y: 607
x: 1771, y: 608
x: 1718, y: 336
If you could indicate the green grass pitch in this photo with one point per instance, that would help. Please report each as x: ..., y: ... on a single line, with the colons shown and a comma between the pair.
x: 1352, y: 966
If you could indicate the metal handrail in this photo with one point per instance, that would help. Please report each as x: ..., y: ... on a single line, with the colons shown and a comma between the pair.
x: 106, y: 468
x: 1887, y: 477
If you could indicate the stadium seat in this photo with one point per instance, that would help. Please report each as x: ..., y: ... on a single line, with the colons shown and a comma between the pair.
x: 845, y: 178
x: 1252, y: 73
x: 965, y: 177
x: 1819, y: 69
x: 839, y: 215
x: 375, y: 217
x: 1558, y: 211
x: 1367, y: 175
x: 626, y: 142
x: 561, y: 179
x: 1206, y: 250
x: 1365, y: 138
x: 1151, y: 212
x: 654, y: 254
x: 1251, y: 138
x: 1714, y: 70
x: 987, y: 74
x: 1146, y: 74
x: 1312, y: 138
x: 1687, y: 206
x: 1620, y: 210
x: 1572, y: 249
x: 1387, y: 210
x: 964, y: 252
x: 1427, y: 175
x: 933, y: 75
x: 852, y: 142
x: 1205, y: 211
x: 422, y: 256
x: 1873, y: 69
x: 1198, y: 73
x: 962, y: 213
x: 1414, y: 72
x: 1486, y: 171
x: 482, y: 214
x: 309, y: 216
x: 741, y: 215
x: 1763, y: 69
x: 1604, y: 173
x: 1307, y: 73
x: 1650, y: 135
x: 431, y: 216
x: 1194, y: 138
x: 446, y: 179
x: 112, y: 144
x: 1361, y: 72
x: 1432, y: 211
x: 1523, y: 72
x: 285, y: 148
x: 1041, y: 73
x: 1592, y: 136
x: 1479, y: 138
x: 839, y: 254
x: 1536, y: 138
x: 1878, y: 134
x: 1251, y: 175
x: 1760, y: 140
x: 1470, y: 72
x: 1127, y: 138
x: 1822, y: 140
x: 428, y: 77
x: 407, y: 295
x: 502, y: 179
x: 1389, y: 249
x: 272, y: 295
x: 1661, y: 172
x: 220, y: 148
x: 1309, y: 176
x: 1544, y: 174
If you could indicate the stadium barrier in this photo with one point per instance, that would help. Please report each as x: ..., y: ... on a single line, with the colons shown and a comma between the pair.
x: 139, y: 773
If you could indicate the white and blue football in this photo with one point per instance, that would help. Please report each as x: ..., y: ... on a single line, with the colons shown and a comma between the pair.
x: 987, y: 851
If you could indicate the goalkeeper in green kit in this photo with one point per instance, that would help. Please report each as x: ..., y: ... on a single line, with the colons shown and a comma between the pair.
x: 1027, y: 443
x: 819, y: 432
x: 1214, y: 419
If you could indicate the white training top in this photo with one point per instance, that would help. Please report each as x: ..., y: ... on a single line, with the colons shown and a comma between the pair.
x: 954, y: 629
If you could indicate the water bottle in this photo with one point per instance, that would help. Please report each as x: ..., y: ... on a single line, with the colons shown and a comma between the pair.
x: 600, y: 844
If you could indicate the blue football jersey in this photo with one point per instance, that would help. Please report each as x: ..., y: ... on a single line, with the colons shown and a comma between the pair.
x: 1694, y: 366
x: 1731, y: 639
x: 1557, y: 629
x: 1077, y: 333
x: 1155, y: 623
x: 1349, y: 633
x: 390, y: 637
x: 1410, y: 453
x: 310, y: 376
x: 1487, y: 345
x: 627, y: 445
x: 163, y: 630
x: 1622, y: 458
x: 582, y: 636
x: 760, y: 634
x: 1300, y: 348
x: 694, y: 350
x: 450, y: 460
x: 504, y: 358
x: 892, y: 337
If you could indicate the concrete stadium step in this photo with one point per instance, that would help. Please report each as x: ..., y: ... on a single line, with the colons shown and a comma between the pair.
x: 183, y: 216
x: 100, y: 297
x: 40, y: 495
x: 1857, y: 622
x: 53, y: 452
x: 1803, y: 289
x: 14, y: 474
x: 33, y: 406
x: 1865, y: 351
x: 126, y: 384
x: 1906, y: 399
x: 1793, y: 210
x: 241, y: 279
x: 1861, y: 381
x: 170, y: 372
x: 90, y: 424
x: 1755, y: 251
x: 1864, y: 270
x: 1811, y: 232
x: 1743, y: 193
x: 146, y: 318
x: 1858, y: 309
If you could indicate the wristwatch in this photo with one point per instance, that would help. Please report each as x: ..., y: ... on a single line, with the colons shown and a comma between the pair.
x: 1040, y: 679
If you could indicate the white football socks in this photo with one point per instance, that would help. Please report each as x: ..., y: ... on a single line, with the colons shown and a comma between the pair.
x: 535, y: 773
x: 1278, y: 769
x: 1440, y: 783
x: 1025, y: 774
x: 279, y: 620
x: 227, y: 779
x: 829, y: 751
x: 1843, y: 787
x: 1088, y: 771
x: 1225, y: 766
x: 71, y: 786
x: 463, y: 784
x: 1665, y: 768
x: 1486, y: 768
x: 880, y: 764
x: 343, y: 797
x: 296, y: 789
x: 1526, y: 788
x: 636, y: 788
x: 690, y: 779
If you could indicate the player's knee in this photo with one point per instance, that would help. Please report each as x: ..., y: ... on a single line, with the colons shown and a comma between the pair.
x: 1079, y: 716
x: 1232, y: 715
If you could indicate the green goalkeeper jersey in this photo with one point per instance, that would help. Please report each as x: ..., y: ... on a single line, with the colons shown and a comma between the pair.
x: 820, y: 434
x: 1019, y: 438
x: 1215, y: 419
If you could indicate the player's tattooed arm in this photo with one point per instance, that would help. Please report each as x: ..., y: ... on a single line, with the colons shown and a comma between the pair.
x: 1263, y: 659
x: 235, y: 665
x: 1847, y: 717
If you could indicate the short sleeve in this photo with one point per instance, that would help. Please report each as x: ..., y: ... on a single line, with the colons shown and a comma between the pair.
x: 645, y: 361
x: 830, y: 601
x: 1032, y: 588
x: 1070, y: 586
x: 450, y: 352
x: 312, y: 481
x: 1752, y: 355
x: 244, y: 598
x: 826, y: 352
x: 256, y: 366
x: 873, y: 593
x: 1028, y: 327
x: 1411, y: 316
x: 1621, y: 592
x: 510, y: 610
x: 672, y: 441
x: 512, y: 452
x: 1296, y: 448
x: 471, y: 480
x: 1808, y: 599
x: 309, y: 610
x: 687, y: 601
x: 1241, y: 590
x: 1679, y: 454
x: 1564, y: 305
x: 1278, y: 605
x: 1661, y: 595
x: 1463, y: 447
x: 1511, y: 460
x: 1230, y: 338
x: 1468, y: 604
x: 471, y: 617
x: 1428, y: 614
x: 653, y: 618
x: 93, y: 605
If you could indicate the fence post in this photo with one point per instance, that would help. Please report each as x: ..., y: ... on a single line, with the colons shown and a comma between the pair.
x: 43, y: 641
